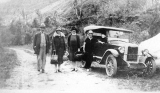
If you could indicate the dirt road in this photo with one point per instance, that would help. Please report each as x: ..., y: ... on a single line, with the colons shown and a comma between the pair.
x: 25, y: 77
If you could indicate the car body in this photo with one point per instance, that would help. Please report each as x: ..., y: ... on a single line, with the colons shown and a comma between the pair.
x: 117, y: 53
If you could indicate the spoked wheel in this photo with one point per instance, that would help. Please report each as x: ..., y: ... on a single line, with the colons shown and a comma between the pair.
x: 111, y: 65
x: 151, y: 67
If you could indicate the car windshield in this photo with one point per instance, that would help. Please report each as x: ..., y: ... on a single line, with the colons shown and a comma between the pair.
x: 106, y: 35
x: 115, y: 36
x: 118, y: 34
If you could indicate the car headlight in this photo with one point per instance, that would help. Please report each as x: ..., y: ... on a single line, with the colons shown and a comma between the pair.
x: 145, y: 52
x: 121, y: 49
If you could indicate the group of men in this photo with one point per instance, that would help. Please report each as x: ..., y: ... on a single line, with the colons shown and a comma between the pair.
x: 41, y: 44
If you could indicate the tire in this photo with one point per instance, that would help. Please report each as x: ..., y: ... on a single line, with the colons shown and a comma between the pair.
x: 111, y: 65
x: 151, y: 67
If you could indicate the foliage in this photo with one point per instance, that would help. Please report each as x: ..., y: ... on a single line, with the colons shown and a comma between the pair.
x: 48, y: 22
x: 35, y: 23
x: 154, y: 21
x: 17, y: 33
x: 1, y: 33
x: 129, y: 14
x: 148, y: 22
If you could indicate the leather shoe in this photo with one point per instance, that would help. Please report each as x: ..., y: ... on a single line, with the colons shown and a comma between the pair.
x: 59, y: 71
x: 56, y: 71
x: 73, y: 69
x: 76, y: 70
x: 42, y: 70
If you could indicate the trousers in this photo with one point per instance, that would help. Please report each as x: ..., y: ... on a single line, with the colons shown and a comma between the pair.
x: 41, y: 57
x: 88, y: 59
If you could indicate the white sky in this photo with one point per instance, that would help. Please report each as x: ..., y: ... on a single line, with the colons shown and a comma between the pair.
x: 3, y: 1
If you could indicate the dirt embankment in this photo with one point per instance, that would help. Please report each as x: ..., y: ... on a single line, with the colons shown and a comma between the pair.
x: 8, y: 61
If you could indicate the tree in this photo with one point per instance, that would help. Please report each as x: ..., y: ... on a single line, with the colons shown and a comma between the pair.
x: 78, y: 8
x: 1, y: 22
x: 0, y: 32
x: 35, y: 23
x: 48, y: 21
x: 17, y: 32
x: 38, y: 12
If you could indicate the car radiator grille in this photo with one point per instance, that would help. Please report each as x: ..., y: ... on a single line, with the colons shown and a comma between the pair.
x: 132, y: 54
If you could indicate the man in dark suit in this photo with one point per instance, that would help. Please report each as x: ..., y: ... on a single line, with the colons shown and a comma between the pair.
x: 41, y: 48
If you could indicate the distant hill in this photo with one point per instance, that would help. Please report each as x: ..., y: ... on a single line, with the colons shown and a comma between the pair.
x: 13, y: 8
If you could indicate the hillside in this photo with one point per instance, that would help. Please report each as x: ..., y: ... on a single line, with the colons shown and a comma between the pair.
x: 13, y: 6
x: 131, y: 14
x: 13, y: 9
x: 61, y: 7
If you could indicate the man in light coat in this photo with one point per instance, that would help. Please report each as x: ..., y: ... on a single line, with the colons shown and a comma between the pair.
x: 41, y: 48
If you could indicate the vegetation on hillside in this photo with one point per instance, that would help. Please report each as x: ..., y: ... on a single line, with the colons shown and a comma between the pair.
x: 8, y: 58
x: 128, y: 14
x: 15, y: 7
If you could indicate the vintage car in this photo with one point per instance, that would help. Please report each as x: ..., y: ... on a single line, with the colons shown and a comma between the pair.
x: 117, y: 54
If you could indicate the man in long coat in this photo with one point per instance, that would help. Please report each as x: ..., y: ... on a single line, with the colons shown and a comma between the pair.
x: 41, y: 48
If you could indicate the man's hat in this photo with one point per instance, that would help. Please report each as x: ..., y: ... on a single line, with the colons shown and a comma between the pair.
x: 42, y: 26
x: 90, y: 32
x: 74, y: 28
x: 58, y: 29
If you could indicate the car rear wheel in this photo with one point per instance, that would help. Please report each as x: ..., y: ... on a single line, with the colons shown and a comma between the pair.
x: 151, y: 67
x: 111, y: 65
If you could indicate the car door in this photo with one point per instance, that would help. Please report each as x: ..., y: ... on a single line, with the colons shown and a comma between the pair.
x: 100, y: 48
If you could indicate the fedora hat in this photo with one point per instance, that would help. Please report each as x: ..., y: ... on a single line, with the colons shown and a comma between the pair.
x: 42, y: 26
x: 90, y: 32
x: 58, y: 29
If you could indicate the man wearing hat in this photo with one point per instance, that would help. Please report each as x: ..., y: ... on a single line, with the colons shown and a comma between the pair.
x: 88, y: 48
x: 41, y: 48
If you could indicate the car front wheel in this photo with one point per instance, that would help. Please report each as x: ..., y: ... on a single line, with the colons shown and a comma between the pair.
x: 111, y: 65
x: 151, y: 67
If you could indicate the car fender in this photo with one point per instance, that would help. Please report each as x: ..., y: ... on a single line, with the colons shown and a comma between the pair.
x: 107, y: 52
x: 143, y: 58
x: 149, y: 55
x: 112, y: 51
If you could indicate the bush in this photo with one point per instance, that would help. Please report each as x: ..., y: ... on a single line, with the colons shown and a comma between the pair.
x: 17, y: 33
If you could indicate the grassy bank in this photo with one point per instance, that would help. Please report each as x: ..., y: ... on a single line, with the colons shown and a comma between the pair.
x: 134, y: 82
x: 28, y: 47
x: 8, y: 61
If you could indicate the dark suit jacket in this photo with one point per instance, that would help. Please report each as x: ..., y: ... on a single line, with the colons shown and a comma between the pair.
x: 37, y: 42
